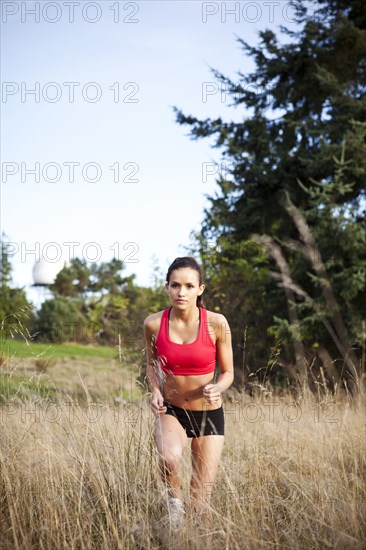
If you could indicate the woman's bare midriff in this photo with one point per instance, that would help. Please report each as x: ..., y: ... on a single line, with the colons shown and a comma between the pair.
x: 186, y: 391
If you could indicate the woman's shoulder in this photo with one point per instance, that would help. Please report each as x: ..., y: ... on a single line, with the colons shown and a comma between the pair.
x: 217, y: 324
x: 215, y: 318
x: 153, y: 321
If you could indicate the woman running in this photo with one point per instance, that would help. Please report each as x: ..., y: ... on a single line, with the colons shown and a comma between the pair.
x: 183, y: 343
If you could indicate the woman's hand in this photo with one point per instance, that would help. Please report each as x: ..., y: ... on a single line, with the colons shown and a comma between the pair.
x: 157, y: 405
x: 212, y: 393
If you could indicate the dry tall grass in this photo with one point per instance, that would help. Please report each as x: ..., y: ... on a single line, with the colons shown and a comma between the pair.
x: 292, y: 476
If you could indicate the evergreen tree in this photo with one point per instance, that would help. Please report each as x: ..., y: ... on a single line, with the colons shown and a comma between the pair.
x: 305, y: 116
x: 73, y: 280
x: 15, y: 309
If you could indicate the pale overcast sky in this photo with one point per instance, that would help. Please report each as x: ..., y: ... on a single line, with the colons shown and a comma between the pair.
x: 93, y: 156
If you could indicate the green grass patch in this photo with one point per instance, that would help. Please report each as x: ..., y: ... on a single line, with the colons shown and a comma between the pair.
x: 128, y: 395
x: 24, y: 388
x: 22, y: 349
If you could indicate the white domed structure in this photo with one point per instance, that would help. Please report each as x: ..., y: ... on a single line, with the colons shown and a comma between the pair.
x: 45, y: 272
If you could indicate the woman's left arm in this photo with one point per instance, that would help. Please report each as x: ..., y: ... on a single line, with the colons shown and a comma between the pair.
x: 212, y: 392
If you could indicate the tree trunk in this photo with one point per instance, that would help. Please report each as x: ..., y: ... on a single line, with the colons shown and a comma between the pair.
x: 275, y: 251
x: 312, y: 253
x: 328, y: 363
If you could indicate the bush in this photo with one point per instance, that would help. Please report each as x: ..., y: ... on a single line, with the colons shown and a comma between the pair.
x: 60, y: 320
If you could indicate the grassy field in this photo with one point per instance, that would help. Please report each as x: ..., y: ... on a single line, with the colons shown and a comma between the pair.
x: 31, y: 371
x: 82, y: 474
x: 25, y: 348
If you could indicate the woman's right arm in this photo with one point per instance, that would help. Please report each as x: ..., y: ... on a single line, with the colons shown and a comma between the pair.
x: 153, y: 369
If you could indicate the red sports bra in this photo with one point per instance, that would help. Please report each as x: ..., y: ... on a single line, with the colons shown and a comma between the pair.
x: 198, y: 357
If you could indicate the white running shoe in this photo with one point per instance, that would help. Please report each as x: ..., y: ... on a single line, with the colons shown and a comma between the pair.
x: 176, y: 513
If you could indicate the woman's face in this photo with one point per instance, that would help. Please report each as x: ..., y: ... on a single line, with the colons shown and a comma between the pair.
x: 183, y: 287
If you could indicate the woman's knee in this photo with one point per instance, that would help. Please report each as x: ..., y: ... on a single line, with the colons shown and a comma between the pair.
x: 170, y: 459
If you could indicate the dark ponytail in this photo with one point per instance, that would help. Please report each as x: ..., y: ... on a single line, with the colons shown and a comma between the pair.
x: 187, y: 261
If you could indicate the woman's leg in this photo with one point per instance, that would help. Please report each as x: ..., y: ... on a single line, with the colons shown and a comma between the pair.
x: 206, y: 454
x: 170, y: 439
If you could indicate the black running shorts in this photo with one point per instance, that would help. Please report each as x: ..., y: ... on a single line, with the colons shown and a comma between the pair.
x: 198, y: 423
